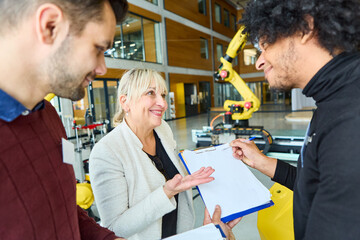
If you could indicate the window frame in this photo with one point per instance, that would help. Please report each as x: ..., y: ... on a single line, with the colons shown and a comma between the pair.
x: 226, y: 18
x: 206, y: 41
x: 215, y: 12
x: 204, y: 5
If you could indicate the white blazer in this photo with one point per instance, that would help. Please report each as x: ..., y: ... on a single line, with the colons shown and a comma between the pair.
x: 128, y: 188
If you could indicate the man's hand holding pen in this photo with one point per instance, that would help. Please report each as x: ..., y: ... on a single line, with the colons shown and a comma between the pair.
x: 247, y: 151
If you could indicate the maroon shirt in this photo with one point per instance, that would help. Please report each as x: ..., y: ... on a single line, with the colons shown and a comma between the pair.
x: 37, y: 190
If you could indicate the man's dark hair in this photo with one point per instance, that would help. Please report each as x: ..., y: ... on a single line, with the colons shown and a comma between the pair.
x: 79, y: 12
x: 336, y: 22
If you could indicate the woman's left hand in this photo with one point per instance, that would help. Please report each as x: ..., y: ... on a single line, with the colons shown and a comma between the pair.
x: 216, y: 219
x: 179, y: 183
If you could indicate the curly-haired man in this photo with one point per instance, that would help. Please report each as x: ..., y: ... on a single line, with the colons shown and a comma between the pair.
x: 314, y: 45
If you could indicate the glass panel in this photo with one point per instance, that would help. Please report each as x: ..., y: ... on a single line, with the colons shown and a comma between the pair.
x: 227, y: 91
x: 219, y: 51
x: 235, y: 61
x: 204, y: 48
x: 226, y: 18
x: 112, y: 95
x: 151, y: 34
x: 233, y: 22
x: 80, y: 109
x: 255, y: 88
x: 271, y: 96
x: 204, y: 96
x: 99, y: 100
x: 132, y: 45
x: 191, y: 100
x: 217, y: 13
x: 250, y: 56
x: 129, y: 40
x: 233, y: 93
x: 219, y: 100
x: 158, y: 43
x: 117, y: 50
x: 202, y: 6
x: 153, y: 1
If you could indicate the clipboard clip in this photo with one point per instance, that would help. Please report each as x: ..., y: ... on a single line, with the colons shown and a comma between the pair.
x: 209, y: 149
x: 226, y: 148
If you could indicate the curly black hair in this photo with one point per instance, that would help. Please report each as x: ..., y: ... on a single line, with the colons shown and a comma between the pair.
x: 336, y: 22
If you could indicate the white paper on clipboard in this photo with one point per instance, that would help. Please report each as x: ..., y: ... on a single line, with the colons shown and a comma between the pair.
x: 235, y: 187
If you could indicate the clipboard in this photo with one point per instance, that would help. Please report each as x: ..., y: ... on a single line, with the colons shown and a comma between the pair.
x: 235, y: 187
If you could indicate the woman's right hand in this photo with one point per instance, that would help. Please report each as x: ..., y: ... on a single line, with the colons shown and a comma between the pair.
x: 179, y: 183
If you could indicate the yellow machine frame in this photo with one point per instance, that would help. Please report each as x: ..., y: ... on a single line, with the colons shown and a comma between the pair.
x: 276, y: 222
x: 251, y: 103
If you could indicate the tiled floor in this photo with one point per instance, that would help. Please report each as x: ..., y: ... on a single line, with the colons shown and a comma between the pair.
x: 272, y: 121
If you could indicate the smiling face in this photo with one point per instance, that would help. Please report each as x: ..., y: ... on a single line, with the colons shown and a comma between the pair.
x: 147, y: 111
x: 80, y: 58
x: 279, y: 62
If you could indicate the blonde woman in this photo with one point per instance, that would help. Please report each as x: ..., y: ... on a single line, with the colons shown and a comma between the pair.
x: 140, y: 187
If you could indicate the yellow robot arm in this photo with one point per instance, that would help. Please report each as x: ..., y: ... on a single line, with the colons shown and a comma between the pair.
x: 251, y: 103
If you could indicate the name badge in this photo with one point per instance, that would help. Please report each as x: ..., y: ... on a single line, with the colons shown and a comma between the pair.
x: 68, y: 152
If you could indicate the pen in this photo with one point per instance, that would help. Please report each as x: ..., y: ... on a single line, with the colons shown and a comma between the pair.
x: 248, y: 140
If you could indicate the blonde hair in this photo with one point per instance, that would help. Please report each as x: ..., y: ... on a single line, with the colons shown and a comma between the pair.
x: 133, y: 84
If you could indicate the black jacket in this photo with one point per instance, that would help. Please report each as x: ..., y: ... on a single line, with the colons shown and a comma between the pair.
x: 326, y: 183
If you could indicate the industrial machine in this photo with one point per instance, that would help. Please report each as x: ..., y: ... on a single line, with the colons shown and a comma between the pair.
x: 240, y: 111
x: 236, y: 115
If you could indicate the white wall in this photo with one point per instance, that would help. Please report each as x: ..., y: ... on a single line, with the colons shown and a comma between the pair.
x: 300, y: 101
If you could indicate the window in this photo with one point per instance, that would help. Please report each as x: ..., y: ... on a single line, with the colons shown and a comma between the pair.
x: 236, y: 61
x: 103, y: 96
x: 233, y: 22
x: 153, y: 1
x: 204, y: 48
x: 219, y: 51
x: 133, y: 42
x: 138, y: 39
x: 226, y: 18
x: 250, y: 56
x: 151, y: 32
x: 202, y: 6
x: 217, y: 13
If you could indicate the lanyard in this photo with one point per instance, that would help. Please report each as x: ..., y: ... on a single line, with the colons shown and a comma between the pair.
x: 307, y: 140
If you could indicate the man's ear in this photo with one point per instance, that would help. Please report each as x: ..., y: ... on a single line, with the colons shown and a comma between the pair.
x: 50, y: 23
x: 306, y: 36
